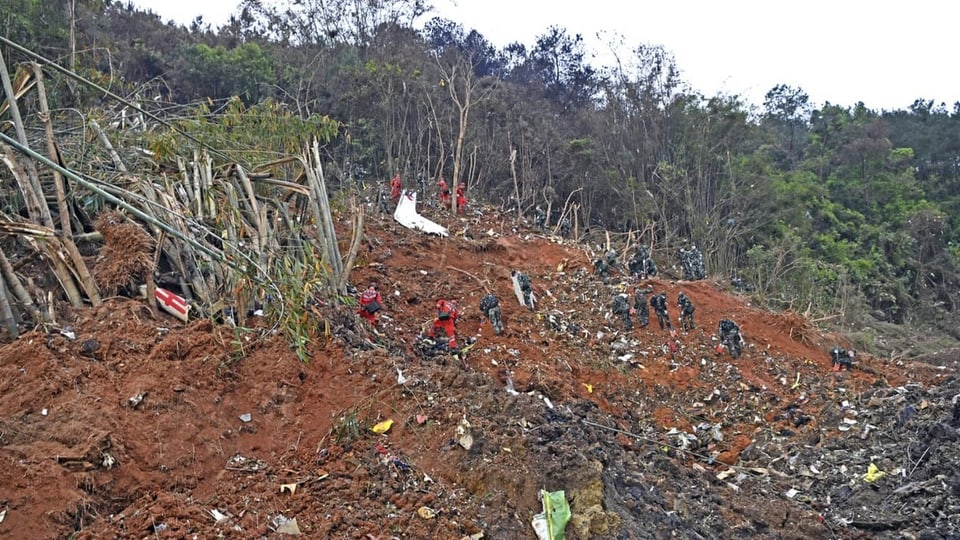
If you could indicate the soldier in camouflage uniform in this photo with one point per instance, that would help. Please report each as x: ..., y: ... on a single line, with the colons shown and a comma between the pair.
x: 641, y: 307
x: 686, y: 312
x: 642, y: 264
x: 696, y: 264
x: 539, y: 218
x: 605, y: 264
x: 490, y: 307
x: 621, y: 308
x: 659, y: 305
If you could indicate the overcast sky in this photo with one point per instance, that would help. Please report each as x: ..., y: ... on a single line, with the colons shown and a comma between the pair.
x: 886, y: 54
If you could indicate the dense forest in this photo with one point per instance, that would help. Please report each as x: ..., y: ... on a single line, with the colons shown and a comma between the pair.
x: 845, y: 214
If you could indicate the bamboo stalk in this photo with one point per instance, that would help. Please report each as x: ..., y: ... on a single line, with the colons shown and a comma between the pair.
x: 83, y: 273
x: 195, y: 185
x: 117, y: 162
x: 330, y: 234
x: 22, y: 177
x: 15, y: 286
x: 79, y: 269
x: 60, y: 269
x: 13, y: 329
x: 21, y: 85
x: 52, y: 151
x: 254, y: 206
x: 36, y: 192
x: 354, y: 246
x: 206, y: 184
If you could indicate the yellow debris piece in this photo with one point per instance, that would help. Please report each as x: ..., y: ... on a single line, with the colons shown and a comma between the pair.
x: 873, y: 473
x: 382, y: 427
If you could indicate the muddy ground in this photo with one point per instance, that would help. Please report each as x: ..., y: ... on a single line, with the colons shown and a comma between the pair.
x: 139, y: 426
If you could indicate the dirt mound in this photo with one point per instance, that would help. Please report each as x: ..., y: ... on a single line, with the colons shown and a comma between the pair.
x: 133, y: 425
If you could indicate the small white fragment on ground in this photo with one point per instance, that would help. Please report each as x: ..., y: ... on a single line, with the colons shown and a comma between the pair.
x: 724, y: 474
x: 282, y: 525
x: 464, y: 437
x: 246, y: 417
x: 137, y: 399
x: 791, y: 493
x: 217, y: 515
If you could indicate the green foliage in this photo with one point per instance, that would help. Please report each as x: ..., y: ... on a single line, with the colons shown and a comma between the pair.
x: 248, y: 134
x: 300, y: 281
x: 347, y: 428
x: 40, y: 25
x: 219, y: 73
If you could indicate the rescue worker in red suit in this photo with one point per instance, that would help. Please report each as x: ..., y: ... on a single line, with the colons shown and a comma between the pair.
x: 461, y: 199
x: 443, y: 191
x: 445, y: 323
x: 395, y: 187
x: 370, y: 303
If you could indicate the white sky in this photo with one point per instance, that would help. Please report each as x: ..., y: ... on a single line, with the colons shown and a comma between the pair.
x: 886, y: 54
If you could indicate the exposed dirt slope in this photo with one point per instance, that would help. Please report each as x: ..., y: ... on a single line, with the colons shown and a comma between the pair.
x: 133, y: 429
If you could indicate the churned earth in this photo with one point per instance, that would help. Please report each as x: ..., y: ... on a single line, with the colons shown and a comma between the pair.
x: 139, y: 426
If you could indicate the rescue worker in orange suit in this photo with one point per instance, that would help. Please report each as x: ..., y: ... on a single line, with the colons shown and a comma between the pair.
x: 445, y: 323
x: 370, y: 303
x: 461, y: 199
x: 443, y: 192
x: 395, y: 186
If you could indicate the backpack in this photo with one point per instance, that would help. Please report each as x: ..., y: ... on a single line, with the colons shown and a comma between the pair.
x: 446, y: 311
x: 368, y: 300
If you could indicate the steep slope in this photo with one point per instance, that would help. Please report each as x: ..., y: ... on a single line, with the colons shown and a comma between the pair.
x: 138, y: 427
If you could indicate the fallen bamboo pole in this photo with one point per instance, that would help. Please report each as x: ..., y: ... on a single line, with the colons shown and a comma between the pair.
x: 215, y: 254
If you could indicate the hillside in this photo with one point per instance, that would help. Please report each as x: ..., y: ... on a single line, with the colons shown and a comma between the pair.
x: 133, y: 429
